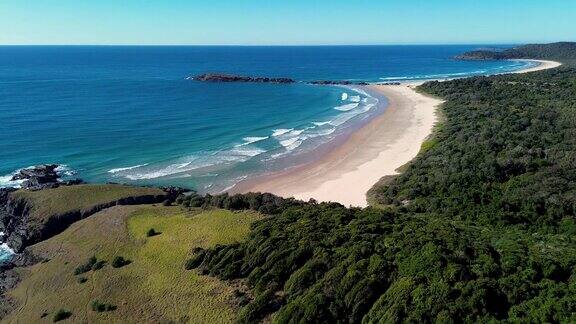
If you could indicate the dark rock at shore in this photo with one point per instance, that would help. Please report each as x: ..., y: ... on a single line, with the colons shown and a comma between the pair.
x: 39, y: 177
x: 43, y: 177
x: 343, y: 82
x: 215, y: 77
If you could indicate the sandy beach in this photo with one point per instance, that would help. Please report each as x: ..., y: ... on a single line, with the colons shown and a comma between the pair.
x: 378, y: 149
x: 543, y: 65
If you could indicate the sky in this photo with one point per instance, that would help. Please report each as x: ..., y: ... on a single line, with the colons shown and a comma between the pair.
x: 285, y: 22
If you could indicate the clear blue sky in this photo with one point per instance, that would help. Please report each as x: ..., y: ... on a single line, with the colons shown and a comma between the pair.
x: 285, y: 22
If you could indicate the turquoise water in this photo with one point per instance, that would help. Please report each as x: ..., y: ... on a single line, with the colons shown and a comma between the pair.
x: 129, y: 114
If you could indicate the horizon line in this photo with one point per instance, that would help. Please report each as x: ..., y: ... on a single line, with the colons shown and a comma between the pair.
x: 285, y: 45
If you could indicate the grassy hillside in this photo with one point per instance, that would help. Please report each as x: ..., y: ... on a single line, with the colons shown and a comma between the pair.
x: 50, y: 202
x: 153, y: 287
x: 481, y: 227
x: 42, y: 214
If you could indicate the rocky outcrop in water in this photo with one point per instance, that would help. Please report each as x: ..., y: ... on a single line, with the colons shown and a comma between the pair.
x: 215, y: 77
x: 343, y: 82
x: 42, y: 177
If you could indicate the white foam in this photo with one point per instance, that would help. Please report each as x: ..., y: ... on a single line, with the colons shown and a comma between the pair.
x: 65, y: 170
x: 248, y: 151
x: 194, y: 163
x: 253, y: 139
x: 344, y: 96
x: 347, y: 107
x: 355, y: 98
x: 127, y: 168
x: 325, y: 132
x: 281, y: 131
x: 6, y: 181
x: 5, y: 251
x: 296, y: 132
x: 321, y: 123
x: 291, y: 143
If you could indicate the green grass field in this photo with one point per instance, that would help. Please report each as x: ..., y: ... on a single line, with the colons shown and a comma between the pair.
x: 155, y: 287
x: 61, y: 200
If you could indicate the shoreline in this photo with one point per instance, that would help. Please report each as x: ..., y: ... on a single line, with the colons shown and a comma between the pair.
x: 543, y: 65
x: 378, y: 149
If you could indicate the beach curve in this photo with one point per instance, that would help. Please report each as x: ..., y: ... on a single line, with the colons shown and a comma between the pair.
x: 378, y: 149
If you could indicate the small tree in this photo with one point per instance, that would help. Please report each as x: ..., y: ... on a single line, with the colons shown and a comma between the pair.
x: 61, y: 315
x: 152, y: 232
x: 119, y: 262
x: 100, y: 307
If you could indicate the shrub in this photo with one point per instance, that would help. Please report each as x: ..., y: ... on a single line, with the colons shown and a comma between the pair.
x: 119, y: 262
x: 82, y: 280
x: 61, y: 315
x: 152, y: 232
x: 87, y: 266
x: 100, y: 307
x: 98, y: 265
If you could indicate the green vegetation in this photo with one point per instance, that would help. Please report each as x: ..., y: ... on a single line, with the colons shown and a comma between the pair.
x: 479, y: 228
x: 65, y: 199
x: 100, y: 307
x: 155, y: 288
x: 61, y: 315
x: 85, y: 267
x: 152, y: 232
x: 119, y: 262
x: 562, y: 51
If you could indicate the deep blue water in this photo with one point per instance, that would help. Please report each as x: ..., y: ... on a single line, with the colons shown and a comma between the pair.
x: 128, y: 114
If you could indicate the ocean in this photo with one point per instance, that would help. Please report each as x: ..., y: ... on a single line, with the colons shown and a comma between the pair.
x: 129, y: 114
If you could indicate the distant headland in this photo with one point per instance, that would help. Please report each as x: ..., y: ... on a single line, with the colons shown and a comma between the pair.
x: 556, y: 51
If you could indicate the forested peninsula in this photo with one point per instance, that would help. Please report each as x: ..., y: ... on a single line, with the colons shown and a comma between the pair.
x: 480, y: 227
x: 561, y: 51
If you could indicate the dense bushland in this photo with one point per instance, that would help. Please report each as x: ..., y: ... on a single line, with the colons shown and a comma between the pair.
x: 480, y: 227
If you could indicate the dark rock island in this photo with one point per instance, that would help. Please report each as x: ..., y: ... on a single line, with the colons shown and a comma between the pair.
x: 217, y: 77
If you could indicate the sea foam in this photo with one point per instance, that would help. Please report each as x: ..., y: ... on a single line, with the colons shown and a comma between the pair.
x: 281, y: 131
x: 253, y: 139
x: 347, y: 107
x: 127, y: 168
x: 355, y: 98
x: 5, y: 252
